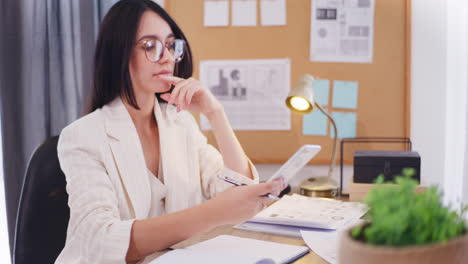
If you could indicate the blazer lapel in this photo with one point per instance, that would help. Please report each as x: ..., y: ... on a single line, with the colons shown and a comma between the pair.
x: 173, y: 144
x: 128, y: 154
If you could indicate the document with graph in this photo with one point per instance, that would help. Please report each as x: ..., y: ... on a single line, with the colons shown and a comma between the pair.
x: 342, y: 31
x: 252, y: 92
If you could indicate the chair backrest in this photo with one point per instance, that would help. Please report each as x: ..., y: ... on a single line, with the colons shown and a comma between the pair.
x: 43, y: 212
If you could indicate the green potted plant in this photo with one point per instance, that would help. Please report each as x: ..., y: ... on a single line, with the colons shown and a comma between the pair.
x: 404, y: 226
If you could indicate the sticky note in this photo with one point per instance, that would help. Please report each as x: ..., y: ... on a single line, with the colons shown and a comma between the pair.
x: 273, y: 12
x: 244, y: 13
x: 345, y: 94
x: 315, y: 124
x: 159, y: 2
x: 216, y: 13
x: 321, y: 91
x: 345, y: 123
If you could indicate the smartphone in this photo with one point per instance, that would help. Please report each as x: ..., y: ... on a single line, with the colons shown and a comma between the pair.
x: 296, y: 162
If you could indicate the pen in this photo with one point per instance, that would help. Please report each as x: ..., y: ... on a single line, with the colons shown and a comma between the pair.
x: 236, y: 183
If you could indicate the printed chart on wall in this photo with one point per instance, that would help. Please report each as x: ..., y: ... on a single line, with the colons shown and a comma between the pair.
x: 342, y: 31
x: 251, y: 91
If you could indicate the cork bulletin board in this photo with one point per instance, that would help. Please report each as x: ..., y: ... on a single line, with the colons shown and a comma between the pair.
x: 383, y: 98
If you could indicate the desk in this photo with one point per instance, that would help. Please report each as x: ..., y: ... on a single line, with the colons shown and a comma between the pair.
x: 310, y: 258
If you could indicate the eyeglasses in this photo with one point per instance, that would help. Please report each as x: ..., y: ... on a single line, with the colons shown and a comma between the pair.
x: 154, y: 49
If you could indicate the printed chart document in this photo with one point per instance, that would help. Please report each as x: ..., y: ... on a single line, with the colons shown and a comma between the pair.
x: 303, y: 211
x: 229, y: 249
x: 251, y: 91
x: 342, y: 31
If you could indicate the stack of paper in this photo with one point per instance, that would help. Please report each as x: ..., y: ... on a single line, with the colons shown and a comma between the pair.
x: 294, y: 213
x: 319, y: 221
x: 282, y: 230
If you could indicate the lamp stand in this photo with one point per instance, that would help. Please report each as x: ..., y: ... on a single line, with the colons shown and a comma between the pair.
x: 323, y: 186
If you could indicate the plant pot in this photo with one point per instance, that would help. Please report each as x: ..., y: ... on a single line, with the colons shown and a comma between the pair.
x: 352, y: 251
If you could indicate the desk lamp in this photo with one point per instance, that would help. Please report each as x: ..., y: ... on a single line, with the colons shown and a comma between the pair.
x: 301, y: 100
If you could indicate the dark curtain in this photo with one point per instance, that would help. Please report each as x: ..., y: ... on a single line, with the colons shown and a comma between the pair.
x: 46, y: 52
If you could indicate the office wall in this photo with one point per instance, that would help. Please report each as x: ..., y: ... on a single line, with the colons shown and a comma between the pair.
x: 383, y: 86
x: 465, y: 174
x: 457, y: 110
x: 427, y: 83
x: 439, y: 93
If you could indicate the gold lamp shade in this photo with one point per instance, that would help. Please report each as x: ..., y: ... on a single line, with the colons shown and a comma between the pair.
x: 301, y: 97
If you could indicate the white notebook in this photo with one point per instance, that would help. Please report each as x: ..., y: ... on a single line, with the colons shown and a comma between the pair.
x: 229, y: 249
x: 298, y: 210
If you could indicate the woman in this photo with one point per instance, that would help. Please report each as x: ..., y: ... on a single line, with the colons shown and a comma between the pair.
x: 138, y: 168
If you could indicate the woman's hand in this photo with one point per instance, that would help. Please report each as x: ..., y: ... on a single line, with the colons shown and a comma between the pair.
x: 190, y: 94
x: 238, y: 204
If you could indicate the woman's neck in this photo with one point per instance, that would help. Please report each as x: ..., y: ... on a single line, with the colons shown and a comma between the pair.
x: 144, y: 117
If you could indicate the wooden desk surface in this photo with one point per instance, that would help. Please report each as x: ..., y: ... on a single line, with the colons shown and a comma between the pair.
x: 310, y: 258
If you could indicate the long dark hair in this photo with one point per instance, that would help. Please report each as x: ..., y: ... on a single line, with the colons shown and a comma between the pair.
x: 114, y: 47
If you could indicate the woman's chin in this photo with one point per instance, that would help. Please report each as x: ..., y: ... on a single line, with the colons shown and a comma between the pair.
x: 160, y: 89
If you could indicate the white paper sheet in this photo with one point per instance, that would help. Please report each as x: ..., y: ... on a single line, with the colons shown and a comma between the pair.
x: 182, y: 256
x: 159, y: 2
x: 233, y: 250
x: 273, y: 12
x: 325, y: 243
x: 342, y: 31
x: 216, y: 13
x: 278, y: 252
x: 251, y: 91
x: 244, y: 13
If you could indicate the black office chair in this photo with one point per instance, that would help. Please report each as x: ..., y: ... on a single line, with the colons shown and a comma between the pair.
x: 43, y: 212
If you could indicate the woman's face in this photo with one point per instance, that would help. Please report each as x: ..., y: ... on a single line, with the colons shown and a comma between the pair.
x: 142, y: 71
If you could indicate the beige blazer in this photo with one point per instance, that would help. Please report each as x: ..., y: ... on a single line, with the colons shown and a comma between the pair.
x: 108, y: 183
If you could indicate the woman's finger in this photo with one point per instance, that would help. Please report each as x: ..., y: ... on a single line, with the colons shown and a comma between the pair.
x: 265, y: 202
x: 190, y: 93
x: 275, y: 187
x: 261, y: 189
x: 176, y: 90
x: 279, y: 186
x: 285, y: 184
x: 170, y: 79
x: 276, y: 192
x: 182, y: 94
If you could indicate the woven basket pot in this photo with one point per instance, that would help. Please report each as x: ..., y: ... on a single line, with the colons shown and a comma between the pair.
x: 352, y: 251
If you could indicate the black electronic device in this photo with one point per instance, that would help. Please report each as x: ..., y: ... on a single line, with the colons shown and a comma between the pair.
x: 370, y: 164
